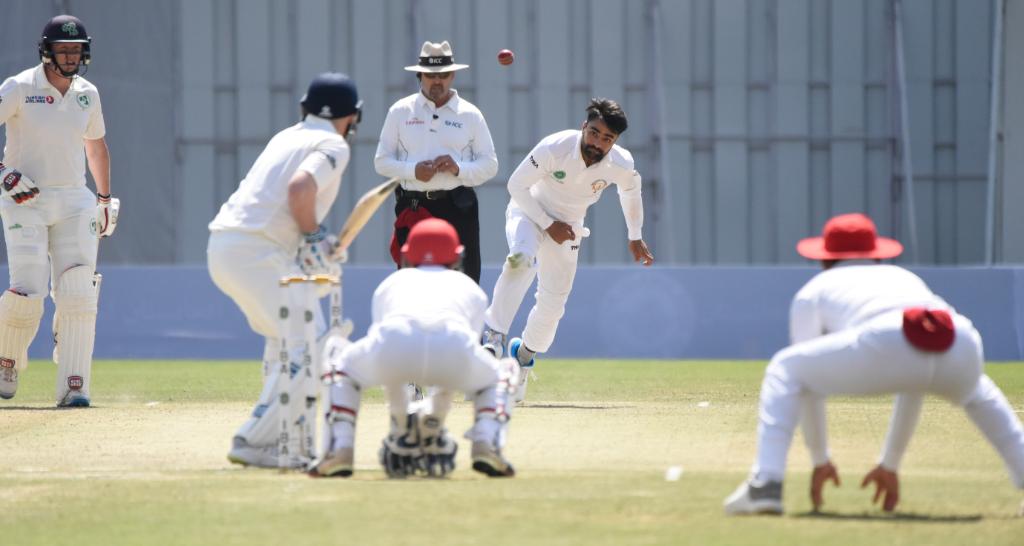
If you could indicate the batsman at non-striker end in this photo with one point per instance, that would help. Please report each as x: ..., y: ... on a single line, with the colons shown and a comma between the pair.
x: 52, y: 221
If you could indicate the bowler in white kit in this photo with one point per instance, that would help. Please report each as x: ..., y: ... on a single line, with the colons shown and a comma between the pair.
x: 271, y: 227
x: 551, y: 191
x: 862, y: 328
x: 52, y: 221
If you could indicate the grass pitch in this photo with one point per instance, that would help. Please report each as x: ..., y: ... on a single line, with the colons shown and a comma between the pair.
x: 146, y: 465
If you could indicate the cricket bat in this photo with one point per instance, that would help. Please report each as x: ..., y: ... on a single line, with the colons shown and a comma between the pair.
x: 361, y: 214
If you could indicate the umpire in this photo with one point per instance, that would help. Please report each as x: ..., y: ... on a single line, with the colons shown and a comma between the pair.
x: 439, y: 145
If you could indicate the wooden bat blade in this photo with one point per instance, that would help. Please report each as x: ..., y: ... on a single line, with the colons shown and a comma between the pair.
x: 361, y: 214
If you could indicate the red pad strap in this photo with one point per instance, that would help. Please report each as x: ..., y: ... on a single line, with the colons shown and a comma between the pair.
x: 929, y: 330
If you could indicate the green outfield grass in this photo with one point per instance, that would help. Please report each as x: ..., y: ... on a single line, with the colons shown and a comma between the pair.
x: 146, y: 465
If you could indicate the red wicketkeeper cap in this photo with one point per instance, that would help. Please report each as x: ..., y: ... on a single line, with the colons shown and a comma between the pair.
x: 432, y: 242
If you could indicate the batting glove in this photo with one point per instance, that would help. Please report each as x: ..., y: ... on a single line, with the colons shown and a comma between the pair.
x: 315, y: 252
x: 20, y: 188
x: 107, y: 209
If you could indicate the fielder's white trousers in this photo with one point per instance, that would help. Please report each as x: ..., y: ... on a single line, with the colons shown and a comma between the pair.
x: 871, y: 359
x: 48, y: 235
x: 532, y: 253
x: 876, y: 359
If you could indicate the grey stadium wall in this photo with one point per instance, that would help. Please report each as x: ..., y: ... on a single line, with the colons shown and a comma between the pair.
x: 752, y: 121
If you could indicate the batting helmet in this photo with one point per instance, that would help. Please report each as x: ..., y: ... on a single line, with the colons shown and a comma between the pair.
x: 64, y: 29
x: 432, y: 242
x: 332, y: 95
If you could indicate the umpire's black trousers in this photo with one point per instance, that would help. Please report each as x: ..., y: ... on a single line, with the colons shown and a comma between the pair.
x: 459, y: 208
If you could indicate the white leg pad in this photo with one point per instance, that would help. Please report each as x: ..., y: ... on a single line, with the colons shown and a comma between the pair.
x: 19, y: 322
x: 76, y: 298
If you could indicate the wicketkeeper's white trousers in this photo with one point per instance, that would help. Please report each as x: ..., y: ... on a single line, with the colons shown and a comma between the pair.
x: 532, y: 253
x: 876, y: 359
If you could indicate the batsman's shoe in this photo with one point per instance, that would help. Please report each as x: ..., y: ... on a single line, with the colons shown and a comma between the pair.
x: 336, y: 464
x: 74, y: 399
x: 8, y: 378
x: 487, y: 460
x: 245, y: 454
x: 525, y: 370
x: 755, y: 497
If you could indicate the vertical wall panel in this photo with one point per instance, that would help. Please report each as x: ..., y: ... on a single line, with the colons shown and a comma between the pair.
x: 677, y: 51
x: 847, y: 112
x: 732, y: 220
x: 919, y: 38
x: 702, y: 106
x: 878, y: 67
x: 792, y: 202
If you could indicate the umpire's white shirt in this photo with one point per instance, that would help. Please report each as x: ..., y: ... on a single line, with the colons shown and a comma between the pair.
x: 416, y: 130
x: 260, y: 204
x: 45, y: 129
x: 430, y: 295
x: 553, y: 183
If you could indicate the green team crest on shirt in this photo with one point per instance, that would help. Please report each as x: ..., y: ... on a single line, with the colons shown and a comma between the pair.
x: 83, y: 100
x: 558, y: 174
x: 70, y: 27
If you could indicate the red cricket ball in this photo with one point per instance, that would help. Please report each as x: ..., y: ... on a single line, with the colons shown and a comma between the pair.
x: 505, y: 56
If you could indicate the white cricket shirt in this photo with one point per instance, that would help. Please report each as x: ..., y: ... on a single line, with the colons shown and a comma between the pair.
x: 430, y: 295
x: 849, y: 295
x: 416, y: 130
x: 45, y: 129
x: 553, y: 183
x: 260, y: 204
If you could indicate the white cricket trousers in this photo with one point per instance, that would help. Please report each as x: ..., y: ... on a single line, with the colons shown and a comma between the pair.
x: 532, y: 253
x: 874, y: 359
x: 48, y: 235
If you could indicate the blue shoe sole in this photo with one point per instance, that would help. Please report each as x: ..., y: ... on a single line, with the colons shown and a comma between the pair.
x: 77, y: 403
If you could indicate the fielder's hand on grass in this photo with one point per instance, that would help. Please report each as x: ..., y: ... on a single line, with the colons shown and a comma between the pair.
x: 640, y: 252
x: 886, y: 482
x: 821, y: 475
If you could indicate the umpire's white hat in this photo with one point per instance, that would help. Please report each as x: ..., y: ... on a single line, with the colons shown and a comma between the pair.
x: 436, y: 58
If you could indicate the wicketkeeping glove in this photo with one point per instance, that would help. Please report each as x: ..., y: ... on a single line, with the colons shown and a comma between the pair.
x: 107, y: 209
x: 439, y: 448
x: 314, y: 257
x: 20, y: 188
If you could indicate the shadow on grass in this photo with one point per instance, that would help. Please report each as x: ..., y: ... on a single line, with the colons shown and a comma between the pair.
x: 897, y: 517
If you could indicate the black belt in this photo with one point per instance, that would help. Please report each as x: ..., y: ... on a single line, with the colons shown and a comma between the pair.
x: 429, y: 195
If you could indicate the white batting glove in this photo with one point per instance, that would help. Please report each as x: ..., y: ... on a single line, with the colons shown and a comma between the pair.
x: 20, y: 188
x: 107, y: 209
x: 314, y: 257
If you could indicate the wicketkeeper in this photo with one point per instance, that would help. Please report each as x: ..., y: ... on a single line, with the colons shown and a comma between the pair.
x: 426, y: 320
x: 271, y: 228
x: 864, y: 328
x: 52, y: 221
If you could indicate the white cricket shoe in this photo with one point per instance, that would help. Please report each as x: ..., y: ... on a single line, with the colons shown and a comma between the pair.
x: 74, y: 399
x: 525, y: 370
x: 487, y: 460
x: 8, y: 378
x: 245, y: 454
x: 336, y: 464
x: 493, y: 341
x: 755, y: 497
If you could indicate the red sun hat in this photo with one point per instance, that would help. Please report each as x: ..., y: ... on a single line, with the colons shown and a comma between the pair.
x: 848, y: 237
x: 432, y: 242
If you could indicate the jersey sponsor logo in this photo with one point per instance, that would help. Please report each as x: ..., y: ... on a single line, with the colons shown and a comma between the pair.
x: 83, y: 101
x: 415, y: 121
x: 598, y: 185
x: 456, y: 124
x: 38, y: 99
x: 559, y: 176
x: 14, y: 227
x: 534, y: 162
x: 574, y: 247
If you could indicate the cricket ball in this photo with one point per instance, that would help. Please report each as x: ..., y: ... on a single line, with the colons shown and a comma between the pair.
x: 505, y: 56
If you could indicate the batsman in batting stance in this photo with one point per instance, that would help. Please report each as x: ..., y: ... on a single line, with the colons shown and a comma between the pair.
x: 271, y: 227
x: 551, y: 191
x: 426, y: 320
x: 862, y: 328
x: 52, y: 221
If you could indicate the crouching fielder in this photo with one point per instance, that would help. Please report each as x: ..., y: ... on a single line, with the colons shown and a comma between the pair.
x: 862, y: 330
x: 426, y: 321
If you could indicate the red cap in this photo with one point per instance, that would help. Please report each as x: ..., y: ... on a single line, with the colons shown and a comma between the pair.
x: 929, y: 330
x: 848, y: 237
x: 432, y: 242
